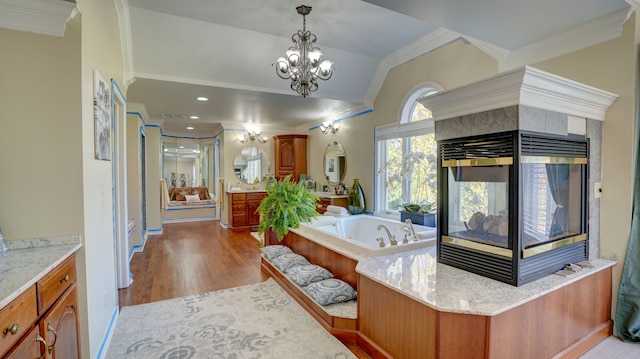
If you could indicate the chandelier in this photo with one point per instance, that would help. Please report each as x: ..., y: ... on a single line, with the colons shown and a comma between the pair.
x: 302, y: 62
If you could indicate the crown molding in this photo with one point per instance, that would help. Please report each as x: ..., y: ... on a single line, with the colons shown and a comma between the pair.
x: 525, y: 86
x: 141, y: 110
x: 592, y: 33
x: 600, y: 30
x: 634, y: 3
x: 126, y: 44
x: 47, y: 17
x: 434, y: 40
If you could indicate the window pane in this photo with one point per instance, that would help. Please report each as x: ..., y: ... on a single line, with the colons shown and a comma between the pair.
x: 423, y: 169
x: 420, y: 113
x: 393, y: 180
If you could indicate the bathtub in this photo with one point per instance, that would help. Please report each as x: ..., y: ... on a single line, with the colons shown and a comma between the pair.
x: 359, y: 234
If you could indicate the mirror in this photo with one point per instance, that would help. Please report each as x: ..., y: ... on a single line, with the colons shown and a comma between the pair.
x: 251, y: 165
x: 186, y: 164
x: 335, y: 163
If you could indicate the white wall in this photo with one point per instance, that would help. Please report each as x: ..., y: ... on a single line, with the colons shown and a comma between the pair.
x: 98, y: 295
x: 134, y: 200
x: 153, y: 176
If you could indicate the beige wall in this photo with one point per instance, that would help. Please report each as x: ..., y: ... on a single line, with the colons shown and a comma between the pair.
x: 450, y: 66
x: 40, y: 134
x: 611, y: 66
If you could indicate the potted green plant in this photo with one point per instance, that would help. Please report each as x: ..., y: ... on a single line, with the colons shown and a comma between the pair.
x: 287, y: 205
x: 423, y: 214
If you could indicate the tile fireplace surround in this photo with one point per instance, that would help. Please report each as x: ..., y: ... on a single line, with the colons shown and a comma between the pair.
x: 531, y: 100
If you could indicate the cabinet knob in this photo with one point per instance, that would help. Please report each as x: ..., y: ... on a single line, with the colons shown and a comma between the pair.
x: 13, y: 329
x: 65, y: 278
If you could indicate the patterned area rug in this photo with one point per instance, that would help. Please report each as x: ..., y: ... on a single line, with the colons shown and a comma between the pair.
x: 254, y: 321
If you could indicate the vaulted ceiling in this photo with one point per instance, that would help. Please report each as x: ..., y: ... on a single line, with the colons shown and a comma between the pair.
x: 175, y: 51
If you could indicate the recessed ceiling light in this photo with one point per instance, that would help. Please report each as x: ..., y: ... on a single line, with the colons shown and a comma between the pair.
x: 194, y: 117
x: 181, y: 146
x: 189, y: 128
x: 202, y: 98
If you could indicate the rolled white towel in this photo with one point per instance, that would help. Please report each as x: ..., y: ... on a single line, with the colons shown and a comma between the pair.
x: 323, y: 221
x: 337, y: 209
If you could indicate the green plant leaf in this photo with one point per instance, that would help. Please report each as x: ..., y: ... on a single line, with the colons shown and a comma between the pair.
x: 287, y: 205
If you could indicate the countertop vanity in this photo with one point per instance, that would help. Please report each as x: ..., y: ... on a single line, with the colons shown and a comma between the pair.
x: 38, y: 299
x: 411, y: 306
x: 242, y: 209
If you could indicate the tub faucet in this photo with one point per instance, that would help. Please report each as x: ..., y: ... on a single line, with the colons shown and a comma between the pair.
x: 409, y: 225
x: 392, y: 238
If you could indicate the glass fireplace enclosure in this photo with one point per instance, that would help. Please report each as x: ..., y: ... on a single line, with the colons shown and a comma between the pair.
x: 513, y: 205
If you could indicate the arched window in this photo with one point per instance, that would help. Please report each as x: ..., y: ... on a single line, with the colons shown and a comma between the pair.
x: 406, y: 159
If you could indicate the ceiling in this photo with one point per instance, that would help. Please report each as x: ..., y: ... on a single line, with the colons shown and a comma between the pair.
x: 224, y: 50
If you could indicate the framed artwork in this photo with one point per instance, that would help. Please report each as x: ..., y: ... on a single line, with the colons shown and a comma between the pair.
x: 102, y: 117
x: 331, y: 165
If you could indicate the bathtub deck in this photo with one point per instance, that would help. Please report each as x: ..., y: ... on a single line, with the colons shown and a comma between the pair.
x: 339, y: 320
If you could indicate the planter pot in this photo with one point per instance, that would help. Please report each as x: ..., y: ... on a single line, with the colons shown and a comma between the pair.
x: 425, y: 219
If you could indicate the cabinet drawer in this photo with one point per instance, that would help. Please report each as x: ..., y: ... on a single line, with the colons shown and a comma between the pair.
x: 239, y: 220
x: 255, y: 196
x: 51, y: 286
x: 20, y: 314
x: 238, y: 208
x: 30, y: 347
x: 238, y: 196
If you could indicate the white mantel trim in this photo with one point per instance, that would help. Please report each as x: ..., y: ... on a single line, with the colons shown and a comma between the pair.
x: 48, y: 17
x: 525, y: 86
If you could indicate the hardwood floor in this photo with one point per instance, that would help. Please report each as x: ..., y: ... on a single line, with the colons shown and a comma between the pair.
x: 191, y: 258
x: 195, y: 257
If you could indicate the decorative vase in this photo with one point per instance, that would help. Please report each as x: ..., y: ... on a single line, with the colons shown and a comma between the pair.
x: 357, y: 203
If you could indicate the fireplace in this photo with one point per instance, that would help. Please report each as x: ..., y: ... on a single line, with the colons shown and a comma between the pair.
x: 513, y: 205
x: 518, y: 173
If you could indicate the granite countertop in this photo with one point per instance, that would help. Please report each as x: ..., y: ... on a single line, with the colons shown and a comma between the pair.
x: 330, y: 195
x: 246, y: 190
x: 27, y: 261
x: 418, y: 275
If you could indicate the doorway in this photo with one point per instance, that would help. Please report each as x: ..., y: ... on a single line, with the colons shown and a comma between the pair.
x: 119, y: 173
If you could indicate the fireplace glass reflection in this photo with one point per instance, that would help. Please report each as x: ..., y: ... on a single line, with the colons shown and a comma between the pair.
x: 479, y: 203
x: 551, y: 202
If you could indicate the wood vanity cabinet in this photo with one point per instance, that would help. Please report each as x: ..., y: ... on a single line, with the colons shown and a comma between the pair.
x: 242, y: 207
x: 291, y: 155
x: 44, y: 318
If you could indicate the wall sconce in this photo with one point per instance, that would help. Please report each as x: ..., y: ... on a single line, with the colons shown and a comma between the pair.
x: 253, y: 136
x: 329, y: 127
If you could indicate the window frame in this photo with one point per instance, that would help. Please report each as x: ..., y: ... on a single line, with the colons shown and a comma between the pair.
x: 402, y: 129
